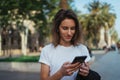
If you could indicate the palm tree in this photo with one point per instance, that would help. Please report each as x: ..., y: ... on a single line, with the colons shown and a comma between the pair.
x: 91, y: 23
x: 109, y: 21
x: 114, y: 35
x: 99, y: 18
x: 63, y: 4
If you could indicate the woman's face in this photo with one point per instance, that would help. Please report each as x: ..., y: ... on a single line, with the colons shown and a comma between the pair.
x: 67, y: 31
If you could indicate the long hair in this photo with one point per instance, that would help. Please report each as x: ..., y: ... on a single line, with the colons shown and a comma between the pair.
x: 59, y: 17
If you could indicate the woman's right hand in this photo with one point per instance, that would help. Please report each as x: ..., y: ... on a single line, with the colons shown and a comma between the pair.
x: 68, y: 69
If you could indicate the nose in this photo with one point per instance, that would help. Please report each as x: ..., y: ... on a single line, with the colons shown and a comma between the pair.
x: 69, y: 32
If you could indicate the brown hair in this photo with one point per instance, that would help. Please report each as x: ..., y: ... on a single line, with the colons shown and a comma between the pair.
x: 59, y: 17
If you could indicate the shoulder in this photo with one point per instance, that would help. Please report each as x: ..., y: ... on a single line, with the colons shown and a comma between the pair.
x: 46, y: 50
x: 82, y: 46
x: 48, y: 47
x: 84, y: 50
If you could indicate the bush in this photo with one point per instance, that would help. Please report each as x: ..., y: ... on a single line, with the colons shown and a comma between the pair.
x: 21, y: 59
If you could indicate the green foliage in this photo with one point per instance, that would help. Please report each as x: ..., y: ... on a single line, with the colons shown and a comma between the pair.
x: 21, y: 59
x: 20, y: 10
x: 41, y: 12
x: 99, y: 16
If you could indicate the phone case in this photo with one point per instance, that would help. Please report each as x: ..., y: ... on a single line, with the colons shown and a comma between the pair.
x: 80, y: 59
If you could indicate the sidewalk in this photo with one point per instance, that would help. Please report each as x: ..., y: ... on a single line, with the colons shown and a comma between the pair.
x: 26, y: 66
x: 20, y: 54
x: 98, y: 51
x: 108, y: 66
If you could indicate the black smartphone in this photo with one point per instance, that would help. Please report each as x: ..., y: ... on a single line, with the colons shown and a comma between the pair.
x: 80, y: 59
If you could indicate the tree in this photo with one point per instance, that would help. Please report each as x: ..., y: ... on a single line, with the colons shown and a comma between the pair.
x: 40, y: 12
x: 65, y: 4
x: 109, y: 21
x: 99, y: 17
x: 12, y: 11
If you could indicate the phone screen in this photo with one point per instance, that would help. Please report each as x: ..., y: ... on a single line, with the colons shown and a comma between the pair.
x: 80, y: 59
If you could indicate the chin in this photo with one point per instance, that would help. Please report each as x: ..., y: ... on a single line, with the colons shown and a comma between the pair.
x: 68, y: 40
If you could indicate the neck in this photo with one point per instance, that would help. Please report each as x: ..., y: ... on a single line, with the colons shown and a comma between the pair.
x: 65, y: 44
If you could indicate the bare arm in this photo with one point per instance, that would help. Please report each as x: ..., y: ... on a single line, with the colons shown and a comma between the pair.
x: 66, y: 69
x: 44, y: 74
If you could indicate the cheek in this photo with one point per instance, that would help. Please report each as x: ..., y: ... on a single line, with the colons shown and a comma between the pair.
x: 62, y: 32
x: 73, y: 32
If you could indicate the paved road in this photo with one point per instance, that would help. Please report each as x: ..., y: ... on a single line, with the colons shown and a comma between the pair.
x: 98, y: 56
x: 7, y: 75
x: 108, y: 66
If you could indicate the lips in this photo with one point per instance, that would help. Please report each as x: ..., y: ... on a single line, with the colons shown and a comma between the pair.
x: 68, y: 37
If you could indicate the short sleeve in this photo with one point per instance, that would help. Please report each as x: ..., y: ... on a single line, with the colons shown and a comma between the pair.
x: 84, y: 51
x: 88, y: 55
x: 44, y: 57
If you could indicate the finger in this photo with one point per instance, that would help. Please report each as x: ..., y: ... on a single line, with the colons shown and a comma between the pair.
x: 66, y: 65
x: 71, y: 67
x: 70, y: 72
x: 84, y: 71
x: 83, y: 74
x: 85, y: 67
x: 74, y: 69
x: 86, y: 64
x: 75, y: 65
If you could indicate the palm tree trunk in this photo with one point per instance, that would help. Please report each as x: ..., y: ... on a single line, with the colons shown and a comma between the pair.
x: 63, y: 4
x: 102, y: 42
x: 108, y: 39
x: 24, y: 42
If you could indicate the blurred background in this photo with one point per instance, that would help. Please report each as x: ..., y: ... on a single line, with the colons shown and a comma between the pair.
x: 25, y: 28
x: 25, y: 25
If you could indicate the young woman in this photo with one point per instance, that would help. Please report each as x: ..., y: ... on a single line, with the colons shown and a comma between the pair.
x: 56, y: 58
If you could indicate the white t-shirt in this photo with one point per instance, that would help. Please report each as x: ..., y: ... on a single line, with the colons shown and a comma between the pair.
x: 56, y: 56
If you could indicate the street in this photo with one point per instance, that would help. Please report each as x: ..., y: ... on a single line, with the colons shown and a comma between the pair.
x: 107, y: 65
x: 7, y: 75
x: 98, y: 56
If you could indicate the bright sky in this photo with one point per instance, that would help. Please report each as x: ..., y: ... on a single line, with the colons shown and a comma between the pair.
x: 80, y: 5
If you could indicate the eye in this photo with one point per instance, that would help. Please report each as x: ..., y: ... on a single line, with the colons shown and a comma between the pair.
x: 72, y: 28
x: 65, y: 28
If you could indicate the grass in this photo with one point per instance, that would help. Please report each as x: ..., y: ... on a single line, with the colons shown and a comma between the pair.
x: 21, y: 59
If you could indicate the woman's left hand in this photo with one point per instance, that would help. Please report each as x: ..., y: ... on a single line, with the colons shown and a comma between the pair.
x: 84, y: 69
